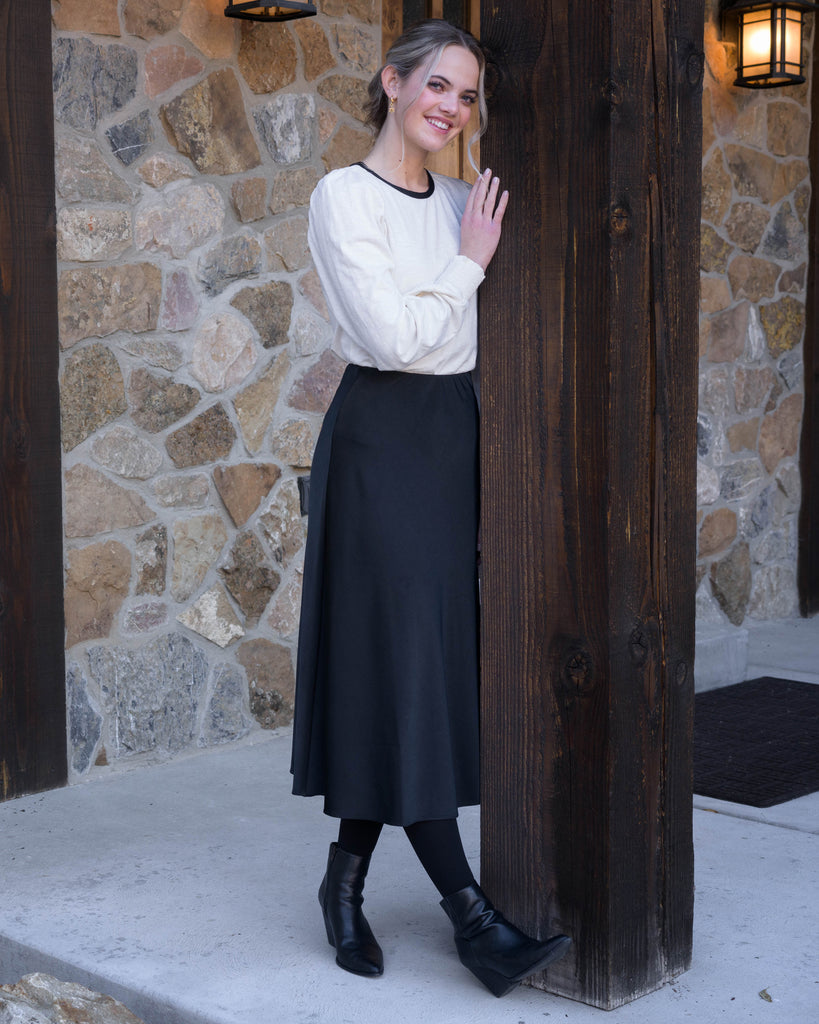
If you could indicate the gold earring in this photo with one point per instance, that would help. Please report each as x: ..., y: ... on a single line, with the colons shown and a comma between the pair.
x: 391, y: 107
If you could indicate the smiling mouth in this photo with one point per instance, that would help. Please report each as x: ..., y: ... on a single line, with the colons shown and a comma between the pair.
x: 441, y: 126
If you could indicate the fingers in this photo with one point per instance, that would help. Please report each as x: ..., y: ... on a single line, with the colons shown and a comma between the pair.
x: 483, y: 197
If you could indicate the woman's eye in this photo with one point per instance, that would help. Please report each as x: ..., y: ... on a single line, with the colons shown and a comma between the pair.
x: 470, y: 100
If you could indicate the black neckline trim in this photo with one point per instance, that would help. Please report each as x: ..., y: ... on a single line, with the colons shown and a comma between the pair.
x: 405, y: 191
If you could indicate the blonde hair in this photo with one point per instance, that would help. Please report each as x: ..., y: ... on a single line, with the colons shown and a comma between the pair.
x: 423, y: 45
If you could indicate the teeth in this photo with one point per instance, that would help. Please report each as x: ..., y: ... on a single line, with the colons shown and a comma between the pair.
x: 439, y: 124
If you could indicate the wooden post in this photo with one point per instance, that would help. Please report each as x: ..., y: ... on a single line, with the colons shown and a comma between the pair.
x: 32, y: 675
x: 588, y: 386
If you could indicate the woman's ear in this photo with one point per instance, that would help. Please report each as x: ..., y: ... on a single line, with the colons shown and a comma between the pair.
x: 390, y: 80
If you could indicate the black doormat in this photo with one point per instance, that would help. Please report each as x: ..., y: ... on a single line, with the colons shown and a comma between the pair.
x: 757, y: 742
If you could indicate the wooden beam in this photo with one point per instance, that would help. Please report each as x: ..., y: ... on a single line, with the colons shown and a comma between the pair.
x: 589, y: 386
x: 32, y: 675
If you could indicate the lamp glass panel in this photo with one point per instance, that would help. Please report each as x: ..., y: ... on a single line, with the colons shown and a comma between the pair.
x: 793, y: 41
x: 756, y: 40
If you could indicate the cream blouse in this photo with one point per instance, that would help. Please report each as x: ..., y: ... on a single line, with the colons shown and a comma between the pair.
x: 400, y: 297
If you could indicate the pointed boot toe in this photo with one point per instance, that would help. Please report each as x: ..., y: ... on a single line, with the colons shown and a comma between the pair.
x: 348, y: 931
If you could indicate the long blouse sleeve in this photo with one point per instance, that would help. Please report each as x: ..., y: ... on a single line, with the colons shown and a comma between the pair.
x: 400, y: 296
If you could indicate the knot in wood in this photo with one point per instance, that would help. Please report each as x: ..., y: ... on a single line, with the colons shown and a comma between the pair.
x: 638, y: 647
x: 21, y: 441
x: 612, y: 92
x: 695, y: 67
x: 681, y: 673
x: 619, y: 220
x: 578, y: 670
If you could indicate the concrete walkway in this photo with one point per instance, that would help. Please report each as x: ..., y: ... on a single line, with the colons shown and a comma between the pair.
x: 187, y: 891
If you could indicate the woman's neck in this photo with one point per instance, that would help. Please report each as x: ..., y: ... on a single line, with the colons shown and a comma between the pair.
x: 403, y: 166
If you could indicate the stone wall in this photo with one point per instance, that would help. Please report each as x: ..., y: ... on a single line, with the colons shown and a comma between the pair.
x: 194, y: 367
x: 756, y: 192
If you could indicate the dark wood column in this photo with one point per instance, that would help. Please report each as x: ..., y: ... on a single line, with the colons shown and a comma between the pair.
x: 589, y: 385
x: 32, y: 676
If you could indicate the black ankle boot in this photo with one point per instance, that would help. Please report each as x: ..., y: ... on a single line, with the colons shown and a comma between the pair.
x: 347, y: 929
x: 497, y: 952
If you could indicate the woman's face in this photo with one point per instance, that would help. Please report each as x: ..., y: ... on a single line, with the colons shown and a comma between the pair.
x: 436, y: 112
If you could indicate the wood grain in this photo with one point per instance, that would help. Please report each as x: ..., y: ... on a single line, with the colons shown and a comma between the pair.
x: 588, y: 385
x: 32, y: 675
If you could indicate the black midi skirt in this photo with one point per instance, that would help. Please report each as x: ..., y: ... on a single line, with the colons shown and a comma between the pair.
x: 386, y: 711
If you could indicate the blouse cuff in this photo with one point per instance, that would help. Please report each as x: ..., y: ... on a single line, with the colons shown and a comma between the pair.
x: 464, y: 274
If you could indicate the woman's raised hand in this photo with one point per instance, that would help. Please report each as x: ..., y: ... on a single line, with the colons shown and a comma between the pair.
x: 481, y: 222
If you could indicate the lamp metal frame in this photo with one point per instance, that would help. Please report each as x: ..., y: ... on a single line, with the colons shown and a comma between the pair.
x: 257, y: 10
x: 774, y: 73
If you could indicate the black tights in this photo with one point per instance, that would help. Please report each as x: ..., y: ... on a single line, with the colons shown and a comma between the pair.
x: 437, y: 845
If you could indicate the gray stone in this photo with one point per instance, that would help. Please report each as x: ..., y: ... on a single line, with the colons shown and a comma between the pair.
x: 160, y: 170
x: 786, y: 238
x: 310, y: 334
x: 717, y: 390
x: 286, y: 127
x: 92, y: 393
x: 208, y: 437
x: 773, y: 546
x: 144, y: 618
x: 124, y: 452
x: 293, y: 443
x: 157, y: 402
x: 87, y: 235
x: 41, y: 999
x: 761, y: 513
x: 756, y: 341
x: 731, y: 582
x: 182, y: 491
x: 130, y: 139
x: 285, y: 610
x: 292, y: 188
x: 707, y: 484
x: 249, y: 577
x: 179, y: 220
x: 740, y: 480
x: 151, y: 556
x: 96, y: 301
x: 95, y: 504
x: 223, y: 352
x: 227, y: 717
x: 282, y: 523
x: 82, y: 174
x: 774, y: 594
x: 152, y: 694
x: 268, y: 307
x: 197, y: 544
x: 789, y: 482
x: 230, y: 260
x: 286, y: 244
x: 157, y: 351
x: 705, y: 434
x: 358, y: 46
x: 85, y: 723
x: 213, y: 618
x: 90, y: 81
x: 272, y: 682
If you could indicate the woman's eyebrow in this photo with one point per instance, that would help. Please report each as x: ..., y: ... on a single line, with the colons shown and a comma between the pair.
x: 443, y: 78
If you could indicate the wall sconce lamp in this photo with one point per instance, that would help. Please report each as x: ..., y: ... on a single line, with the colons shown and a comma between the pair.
x: 769, y: 39
x: 282, y: 10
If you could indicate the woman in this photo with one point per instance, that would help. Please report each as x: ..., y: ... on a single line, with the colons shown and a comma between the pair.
x: 386, y: 723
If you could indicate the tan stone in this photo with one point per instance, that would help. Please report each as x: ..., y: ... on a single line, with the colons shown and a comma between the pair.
x: 359, y: 47
x: 268, y: 307
x: 752, y: 278
x: 157, y: 402
x: 249, y: 577
x: 315, y: 47
x: 347, y: 146
x: 283, y: 524
x: 716, y: 189
x: 350, y: 94
x: 267, y: 56
x: 124, y: 452
x: 92, y: 393
x: 248, y: 197
x: 292, y: 189
x: 151, y: 555
x: 205, y: 24
x: 95, y: 504
x: 208, y: 437
x: 715, y: 294
x: 155, y: 351
x: 752, y: 387
x: 714, y: 251
x: 310, y: 288
x: 779, y: 433
x: 731, y: 582
x: 293, y: 444
x: 310, y: 334
x: 801, y: 203
x: 285, y: 610
x: 788, y: 129
x: 213, y: 618
x: 167, y: 65
x: 793, y: 280
x: 243, y: 487
x: 746, y: 225
x: 327, y: 121
x: 94, y: 302
x: 179, y: 220
x: 149, y: 18
x: 197, y: 544
x: 754, y: 173
x: 208, y: 123
x: 718, y: 531
x: 271, y: 679
x: 96, y: 584
x: 256, y: 404
x: 361, y: 10
x: 160, y: 170
x: 314, y: 390
x: 728, y: 331
x: 788, y: 176
x: 704, y: 337
x: 182, y: 491
x: 223, y: 353
x: 286, y: 244
x: 96, y: 17
x: 82, y: 174
x: 742, y: 436
x: 751, y: 125
x: 784, y: 323
x: 709, y: 134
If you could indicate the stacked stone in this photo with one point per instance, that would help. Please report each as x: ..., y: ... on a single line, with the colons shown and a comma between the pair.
x: 755, y: 197
x: 195, y: 368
